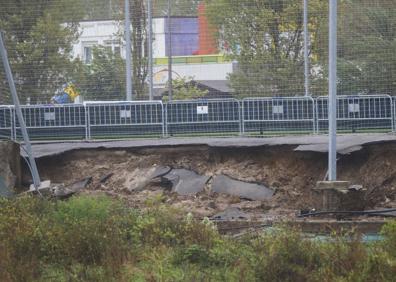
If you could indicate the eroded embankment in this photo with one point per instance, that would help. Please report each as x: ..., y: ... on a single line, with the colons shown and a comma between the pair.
x: 292, y: 174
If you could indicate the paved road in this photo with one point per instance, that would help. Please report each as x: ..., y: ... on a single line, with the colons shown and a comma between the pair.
x: 315, y: 143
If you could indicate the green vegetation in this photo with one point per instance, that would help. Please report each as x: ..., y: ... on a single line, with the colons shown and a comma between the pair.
x: 104, y: 77
x: 100, y: 239
x: 185, y: 89
x: 266, y: 38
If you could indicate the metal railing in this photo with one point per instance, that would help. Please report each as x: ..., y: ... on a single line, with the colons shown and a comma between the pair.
x: 125, y: 119
x: 358, y: 113
x: 206, y: 117
x: 203, y: 117
x: 51, y: 121
x: 7, y: 122
x: 274, y: 115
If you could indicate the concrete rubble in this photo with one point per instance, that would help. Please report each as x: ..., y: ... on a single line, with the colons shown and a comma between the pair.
x: 186, y: 182
x: 251, y: 191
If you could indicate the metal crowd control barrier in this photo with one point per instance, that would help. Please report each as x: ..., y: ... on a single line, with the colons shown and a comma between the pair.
x: 125, y: 119
x: 6, y: 122
x: 286, y: 115
x: 358, y: 113
x: 394, y: 112
x: 45, y: 122
x: 204, y: 117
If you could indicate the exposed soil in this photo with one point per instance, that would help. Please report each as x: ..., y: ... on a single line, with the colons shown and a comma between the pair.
x: 292, y: 174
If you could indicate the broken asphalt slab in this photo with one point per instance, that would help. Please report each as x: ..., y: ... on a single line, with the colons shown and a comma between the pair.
x: 315, y: 143
x: 252, y: 191
x: 186, y: 182
x: 140, y: 178
x: 230, y: 214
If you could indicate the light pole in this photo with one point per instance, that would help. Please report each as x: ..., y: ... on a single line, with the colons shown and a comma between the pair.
x: 332, y: 90
x: 150, y: 48
x: 170, y: 86
x: 306, y: 46
x: 128, y: 56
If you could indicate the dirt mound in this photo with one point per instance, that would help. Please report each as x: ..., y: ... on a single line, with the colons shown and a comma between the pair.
x: 292, y: 174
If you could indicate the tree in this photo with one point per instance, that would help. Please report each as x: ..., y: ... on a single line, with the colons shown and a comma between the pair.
x: 104, y: 78
x: 266, y: 38
x: 139, y: 40
x: 185, y: 89
x: 178, y: 7
x: 39, y: 36
x: 139, y: 47
x: 367, y: 61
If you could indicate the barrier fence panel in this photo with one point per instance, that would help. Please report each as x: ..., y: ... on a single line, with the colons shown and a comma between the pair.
x: 362, y: 113
x: 6, y: 122
x: 205, y: 117
x: 45, y: 122
x: 284, y: 115
x: 394, y: 113
x: 125, y: 119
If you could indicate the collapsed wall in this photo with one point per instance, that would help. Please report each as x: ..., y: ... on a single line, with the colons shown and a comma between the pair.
x: 10, y: 168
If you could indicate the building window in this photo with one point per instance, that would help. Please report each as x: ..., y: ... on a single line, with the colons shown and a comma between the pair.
x: 88, y: 54
x: 113, y: 45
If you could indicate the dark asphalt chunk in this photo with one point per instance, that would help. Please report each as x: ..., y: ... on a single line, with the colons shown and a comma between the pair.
x: 231, y: 214
x: 251, y: 191
x: 186, y: 182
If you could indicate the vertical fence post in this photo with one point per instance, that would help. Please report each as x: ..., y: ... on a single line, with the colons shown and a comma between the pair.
x: 10, y: 79
x: 170, y: 83
x: 150, y: 48
x: 306, y: 45
x: 128, y: 53
x: 332, y: 90
x: 243, y: 117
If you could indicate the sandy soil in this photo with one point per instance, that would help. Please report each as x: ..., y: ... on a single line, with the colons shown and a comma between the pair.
x: 292, y: 174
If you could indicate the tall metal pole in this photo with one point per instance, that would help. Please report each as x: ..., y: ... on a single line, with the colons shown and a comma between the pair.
x: 15, y: 99
x: 332, y: 90
x: 150, y: 48
x: 306, y: 46
x: 128, y: 52
x: 170, y: 84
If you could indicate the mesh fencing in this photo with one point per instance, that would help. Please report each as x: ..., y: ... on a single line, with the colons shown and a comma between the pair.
x: 236, y: 67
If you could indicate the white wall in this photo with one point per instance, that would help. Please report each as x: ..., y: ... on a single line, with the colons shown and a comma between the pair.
x: 95, y: 33
x: 98, y: 32
x: 209, y: 71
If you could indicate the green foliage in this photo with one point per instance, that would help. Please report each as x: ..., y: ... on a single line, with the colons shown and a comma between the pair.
x: 104, y: 77
x: 184, y: 89
x: 266, y: 38
x: 366, y: 44
x: 179, y: 7
x: 389, y: 231
x: 99, y: 239
x: 39, y: 35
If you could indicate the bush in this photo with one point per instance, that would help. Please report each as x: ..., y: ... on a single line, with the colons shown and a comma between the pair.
x: 100, y: 239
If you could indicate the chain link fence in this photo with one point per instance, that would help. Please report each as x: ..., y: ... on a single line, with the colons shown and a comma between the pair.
x: 224, y: 68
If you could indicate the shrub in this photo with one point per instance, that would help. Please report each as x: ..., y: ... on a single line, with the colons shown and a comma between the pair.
x: 99, y: 239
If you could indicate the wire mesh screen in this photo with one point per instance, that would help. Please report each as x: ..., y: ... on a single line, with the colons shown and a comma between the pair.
x: 265, y: 56
x: 204, y: 117
x: 6, y: 122
x: 44, y: 122
x: 266, y: 116
x: 365, y: 113
x: 125, y: 119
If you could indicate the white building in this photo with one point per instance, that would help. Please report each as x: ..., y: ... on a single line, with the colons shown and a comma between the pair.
x: 108, y: 33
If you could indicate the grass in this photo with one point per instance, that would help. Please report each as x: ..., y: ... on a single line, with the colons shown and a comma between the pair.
x: 101, y: 239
